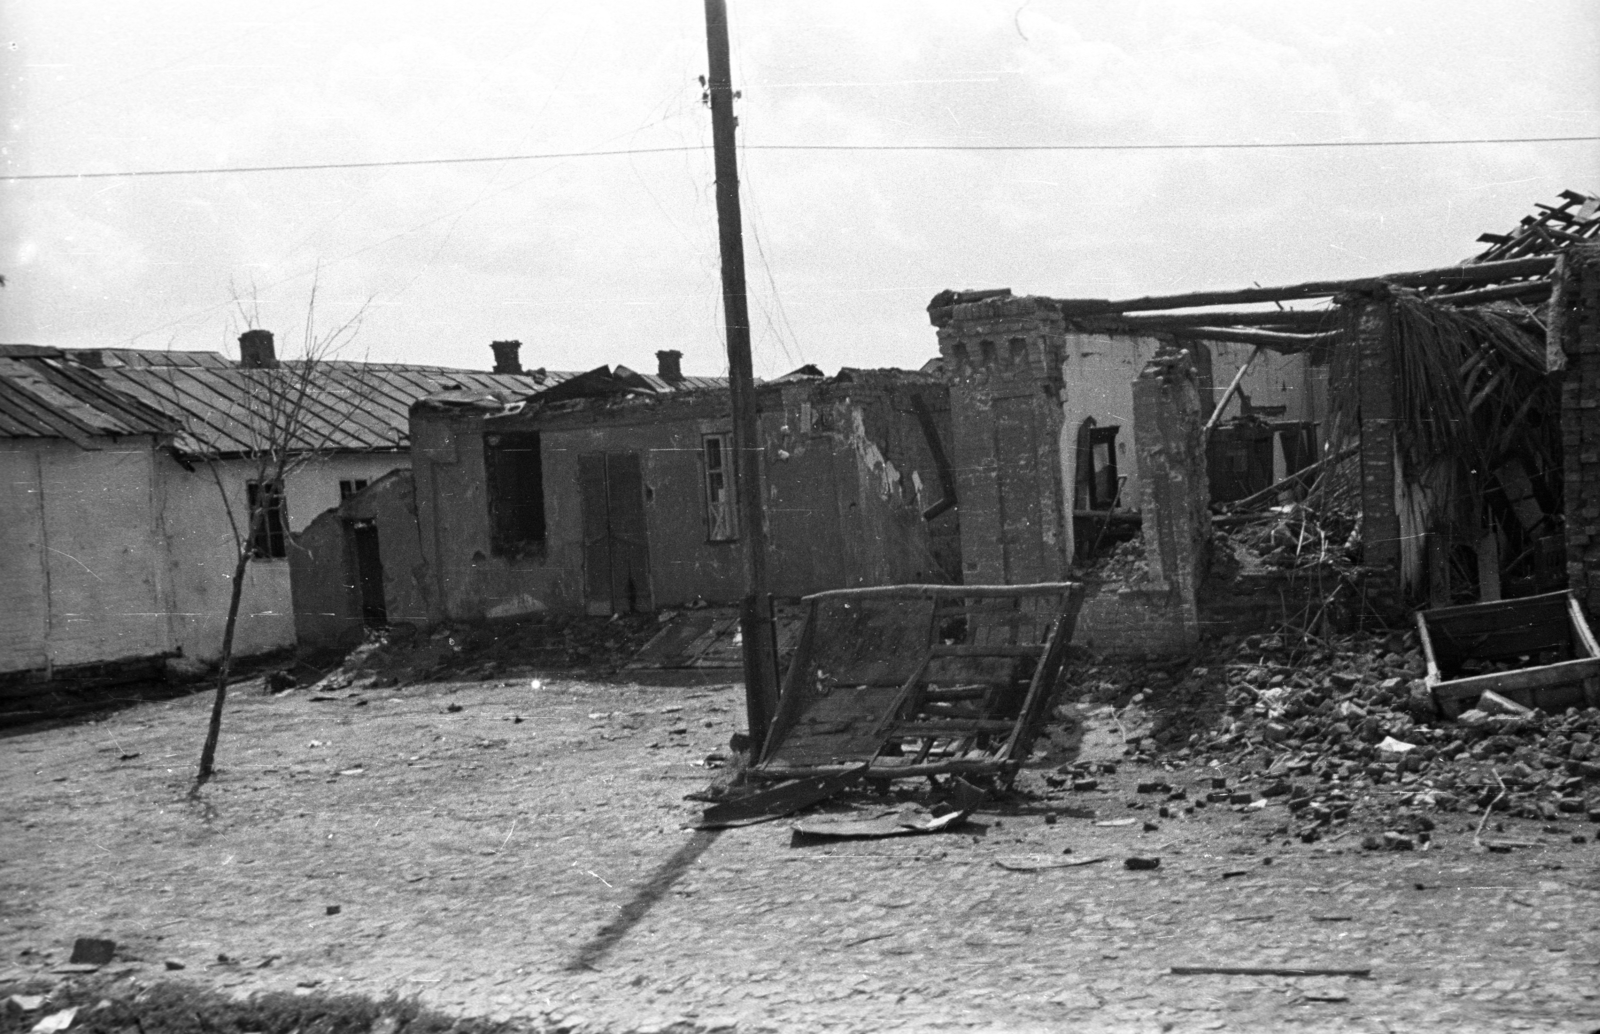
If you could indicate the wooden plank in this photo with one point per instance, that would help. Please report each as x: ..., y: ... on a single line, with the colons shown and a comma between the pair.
x: 1488, y: 565
x: 997, y: 650
x: 945, y: 591
x: 1042, y: 687
x: 949, y: 727
x: 790, y: 702
x: 1444, y: 614
x: 906, y: 689
x: 881, y: 770
x: 1580, y: 625
x: 1533, y: 290
x: 1227, y: 396
x: 1506, y: 682
x: 955, y: 608
x: 1427, y: 648
x: 1318, y: 318
x: 1278, y: 341
x: 776, y: 802
x: 1510, y: 641
x: 955, y: 693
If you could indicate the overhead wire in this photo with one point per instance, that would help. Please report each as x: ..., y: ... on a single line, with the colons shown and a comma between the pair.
x: 882, y: 148
x: 747, y: 189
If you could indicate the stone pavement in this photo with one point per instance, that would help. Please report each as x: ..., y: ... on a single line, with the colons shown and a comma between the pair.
x: 538, y: 868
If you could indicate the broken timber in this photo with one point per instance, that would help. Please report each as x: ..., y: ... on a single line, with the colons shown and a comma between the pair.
x: 1452, y: 276
x: 1548, y: 636
x: 777, y: 802
x: 920, y: 680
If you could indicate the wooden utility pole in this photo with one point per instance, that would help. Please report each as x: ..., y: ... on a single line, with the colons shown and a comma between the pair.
x: 755, y: 612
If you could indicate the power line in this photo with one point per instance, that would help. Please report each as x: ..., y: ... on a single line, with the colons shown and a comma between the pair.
x: 347, y: 165
x: 1259, y: 146
x: 1262, y: 146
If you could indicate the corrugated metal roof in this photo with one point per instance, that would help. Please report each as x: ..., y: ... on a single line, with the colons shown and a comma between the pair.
x: 43, y: 394
x: 111, y: 358
x: 348, y: 406
x: 212, y: 405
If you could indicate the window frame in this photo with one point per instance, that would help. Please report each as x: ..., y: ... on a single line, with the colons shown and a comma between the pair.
x: 271, y: 540
x: 722, y: 515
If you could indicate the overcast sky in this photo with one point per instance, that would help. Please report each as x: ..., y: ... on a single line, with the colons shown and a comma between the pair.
x: 607, y: 259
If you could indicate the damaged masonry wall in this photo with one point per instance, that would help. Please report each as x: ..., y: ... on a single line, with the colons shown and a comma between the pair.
x: 330, y: 610
x: 1021, y: 385
x: 1575, y: 331
x: 848, y: 469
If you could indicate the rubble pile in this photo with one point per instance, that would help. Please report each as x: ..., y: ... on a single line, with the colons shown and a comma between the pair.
x: 1349, y: 727
x: 1293, y: 536
x: 543, y: 642
x: 1123, y: 563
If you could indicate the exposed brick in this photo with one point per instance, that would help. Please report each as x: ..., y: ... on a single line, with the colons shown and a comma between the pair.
x: 1580, y: 423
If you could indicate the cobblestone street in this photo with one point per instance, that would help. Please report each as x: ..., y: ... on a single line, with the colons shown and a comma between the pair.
x: 507, y: 851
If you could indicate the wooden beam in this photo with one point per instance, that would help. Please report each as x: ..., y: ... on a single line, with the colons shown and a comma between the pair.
x: 913, y: 592
x: 1222, y: 404
x: 1521, y: 679
x: 1318, y: 318
x: 1288, y: 482
x: 1527, y: 289
x: 1477, y: 273
x: 1275, y: 340
x: 997, y: 650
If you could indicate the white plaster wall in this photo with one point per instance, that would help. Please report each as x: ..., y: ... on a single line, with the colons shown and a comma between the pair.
x: 24, y: 616
x: 313, y: 488
x: 202, y: 552
x: 1098, y: 373
x: 1272, y: 380
x: 83, y: 564
x: 202, y: 549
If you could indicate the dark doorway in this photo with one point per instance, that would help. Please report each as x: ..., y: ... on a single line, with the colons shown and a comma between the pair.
x: 615, y: 555
x: 1240, y: 456
x: 369, y: 573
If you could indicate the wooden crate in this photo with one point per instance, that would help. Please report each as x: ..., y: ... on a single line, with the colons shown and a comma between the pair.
x: 1548, y: 634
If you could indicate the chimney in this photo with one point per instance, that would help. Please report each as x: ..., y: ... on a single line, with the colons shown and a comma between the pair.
x: 505, y: 356
x: 668, y: 366
x: 255, y: 350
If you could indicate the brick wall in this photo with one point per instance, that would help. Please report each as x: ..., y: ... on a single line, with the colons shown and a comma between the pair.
x: 1131, y: 621
x: 1377, y: 383
x: 1575, y: 329
x: 1002, y: 357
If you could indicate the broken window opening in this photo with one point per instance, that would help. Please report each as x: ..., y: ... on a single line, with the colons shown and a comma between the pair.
x: 721, y: 525
x: 1097, y: 482
x: 350, y: 486
x: 515, y: 470
x: 267, y: 540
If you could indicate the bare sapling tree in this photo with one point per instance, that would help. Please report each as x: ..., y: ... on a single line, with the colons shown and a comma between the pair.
x: 289, y: 413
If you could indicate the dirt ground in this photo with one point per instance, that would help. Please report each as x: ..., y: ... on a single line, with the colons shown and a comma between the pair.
x: 516, y: 850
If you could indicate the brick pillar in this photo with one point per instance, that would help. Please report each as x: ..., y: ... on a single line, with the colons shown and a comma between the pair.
x: 1377, y: 394
x: 1575, y: 330
x: 1175, y: 498
x: 1002, y: 358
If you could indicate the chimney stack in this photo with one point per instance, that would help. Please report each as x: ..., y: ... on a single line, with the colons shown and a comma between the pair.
x: 505, y: 356
x: 255, y: 350
x: 668, y: 365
